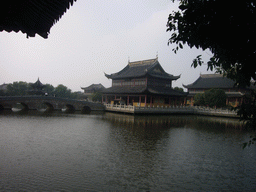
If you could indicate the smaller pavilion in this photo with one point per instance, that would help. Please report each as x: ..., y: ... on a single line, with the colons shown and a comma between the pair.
x: 37, y: 88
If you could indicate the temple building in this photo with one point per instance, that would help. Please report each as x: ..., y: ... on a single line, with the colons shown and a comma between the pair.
x: 235, y: 95
x: 143, y: 83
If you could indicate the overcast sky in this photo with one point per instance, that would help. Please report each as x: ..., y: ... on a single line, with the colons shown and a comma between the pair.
x: 94, y: 37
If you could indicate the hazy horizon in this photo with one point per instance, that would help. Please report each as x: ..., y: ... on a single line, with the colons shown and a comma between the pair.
x: 94, y: 37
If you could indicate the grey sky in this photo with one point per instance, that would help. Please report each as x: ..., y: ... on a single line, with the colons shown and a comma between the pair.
x: 94, y: 37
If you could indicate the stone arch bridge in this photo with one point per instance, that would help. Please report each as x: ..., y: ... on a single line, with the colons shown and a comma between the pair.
x: 48, y: 103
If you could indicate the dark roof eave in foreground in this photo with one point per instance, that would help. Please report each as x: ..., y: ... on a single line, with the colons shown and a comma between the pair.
x: 32, y: 17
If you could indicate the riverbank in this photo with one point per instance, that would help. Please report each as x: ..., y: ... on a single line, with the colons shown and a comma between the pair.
x: 171, y: 110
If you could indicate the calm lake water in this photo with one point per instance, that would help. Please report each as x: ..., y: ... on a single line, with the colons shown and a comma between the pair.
x: 113, y: 152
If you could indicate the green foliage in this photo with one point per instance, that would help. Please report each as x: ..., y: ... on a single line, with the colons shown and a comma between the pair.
x: 211, y: 98
x: 250, y: 142
x: 2, y: 93
x: 215, y: 98
x: 49, y: 89
x: 97, y: 96
x: 22, y: 89
x: 17, y: 88
x: 199, y: 99
x: 179, y: 89
x: 62, y: 91
x: 226, y: 29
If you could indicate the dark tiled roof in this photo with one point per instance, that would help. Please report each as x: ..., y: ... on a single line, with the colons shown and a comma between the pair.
x: 37, y: 84
x: 32, y: 16
x: 208, y: 81
x: 166, y: 91
x: 125, y: 90
x: 94, y: 87
x: 142, y: 68
x: 228, y: 94
x: 144, y: 90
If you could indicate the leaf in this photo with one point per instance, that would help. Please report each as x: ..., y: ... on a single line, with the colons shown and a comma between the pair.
x: 244, y: 145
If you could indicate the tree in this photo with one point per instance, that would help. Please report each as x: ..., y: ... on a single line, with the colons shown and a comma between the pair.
x: 96, y: 97
x: 2, y: 93
x: 179, y: 89
x: 199, y: 99
x: 227, y: 29
x: 62, y: 91
x: 49, y: 89
x: 211, y: 98
x: 17, y: 88
x: 215, y: 98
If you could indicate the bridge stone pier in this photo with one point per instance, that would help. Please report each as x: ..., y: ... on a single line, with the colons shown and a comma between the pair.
x: 47, y: 103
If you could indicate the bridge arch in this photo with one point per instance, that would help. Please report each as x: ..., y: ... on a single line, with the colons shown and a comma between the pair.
x: 86, y: 110
x: 20, y: 106
x: 46, y: 107
x: 69, y: 108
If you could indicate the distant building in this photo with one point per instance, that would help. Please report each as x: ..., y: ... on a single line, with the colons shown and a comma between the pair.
x: 93, y: 88
x: 143, y: 83
x: 205, y: 82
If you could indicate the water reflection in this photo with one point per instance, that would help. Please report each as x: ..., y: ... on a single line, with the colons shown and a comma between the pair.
x: 143, y: 125
x: 186, y: 153
x: 115, y: 152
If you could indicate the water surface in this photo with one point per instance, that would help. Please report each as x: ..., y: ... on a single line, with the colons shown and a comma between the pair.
x: 106, y: 152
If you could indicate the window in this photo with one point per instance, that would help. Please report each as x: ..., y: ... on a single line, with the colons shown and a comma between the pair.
x: 116, y: 83
x: 127, y: 83
x: 140, y: 82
